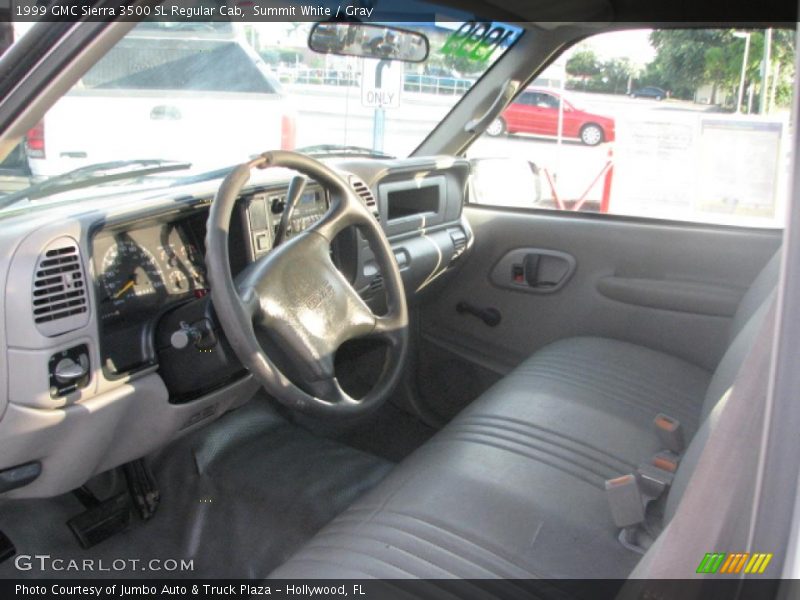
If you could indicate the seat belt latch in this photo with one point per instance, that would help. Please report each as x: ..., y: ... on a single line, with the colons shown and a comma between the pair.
x: 627, y: 510
x: 654, y: 480
x: 670, y: 433
x: 626, y: 501
x: 666, y: 461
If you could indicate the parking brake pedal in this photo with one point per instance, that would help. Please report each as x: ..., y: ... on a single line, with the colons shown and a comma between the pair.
x: 142, y: 487
x: 101, y: 519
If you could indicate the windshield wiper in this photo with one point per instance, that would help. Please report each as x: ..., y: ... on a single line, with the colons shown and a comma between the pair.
x: 342, y: 150
x: 93, y: 175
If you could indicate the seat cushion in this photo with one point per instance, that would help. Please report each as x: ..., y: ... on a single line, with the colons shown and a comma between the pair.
x: 590, y: 402
x: 514, y: 484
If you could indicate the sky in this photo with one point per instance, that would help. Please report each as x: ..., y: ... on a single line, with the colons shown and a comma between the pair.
x: 633, y: 44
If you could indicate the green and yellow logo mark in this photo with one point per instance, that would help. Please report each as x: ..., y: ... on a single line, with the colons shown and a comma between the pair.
x: 734, y: 562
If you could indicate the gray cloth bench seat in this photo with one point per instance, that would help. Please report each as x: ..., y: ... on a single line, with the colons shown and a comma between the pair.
x: 513, y: 487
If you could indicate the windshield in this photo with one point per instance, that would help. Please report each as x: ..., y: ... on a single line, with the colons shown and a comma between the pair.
x: 214, y: 96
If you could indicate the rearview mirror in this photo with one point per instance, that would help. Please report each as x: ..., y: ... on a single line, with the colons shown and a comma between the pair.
x: 369, y: 41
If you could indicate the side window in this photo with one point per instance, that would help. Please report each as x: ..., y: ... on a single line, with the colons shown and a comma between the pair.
x: 527, y: 98
x: 546, y: 101
x: 683, y: 124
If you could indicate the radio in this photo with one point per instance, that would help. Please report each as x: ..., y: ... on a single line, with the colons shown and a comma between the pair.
x: 263, y: 212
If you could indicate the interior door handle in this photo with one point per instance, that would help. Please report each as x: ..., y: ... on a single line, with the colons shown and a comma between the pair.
x: 537, y: 270
x: 530, y: 267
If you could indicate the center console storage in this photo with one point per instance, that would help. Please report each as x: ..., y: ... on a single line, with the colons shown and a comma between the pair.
x: 419, y: 201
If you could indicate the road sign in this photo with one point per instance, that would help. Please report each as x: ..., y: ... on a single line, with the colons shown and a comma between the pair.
x: 381, y: 81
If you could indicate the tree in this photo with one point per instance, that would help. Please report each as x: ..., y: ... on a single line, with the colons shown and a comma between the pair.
x: 616, y: 73
x: 688, y: 58
x: 680, y: 61
x: 584, y: 65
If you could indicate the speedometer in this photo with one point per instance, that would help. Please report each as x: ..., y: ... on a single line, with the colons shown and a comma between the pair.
x: 130, y: 277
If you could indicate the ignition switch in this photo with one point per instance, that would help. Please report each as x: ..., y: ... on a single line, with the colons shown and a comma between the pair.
x: 201, y: 334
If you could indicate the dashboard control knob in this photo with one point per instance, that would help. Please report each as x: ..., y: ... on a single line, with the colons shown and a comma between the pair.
x: 185, y: 336
x: 68, y: 371
x: 278, y: 204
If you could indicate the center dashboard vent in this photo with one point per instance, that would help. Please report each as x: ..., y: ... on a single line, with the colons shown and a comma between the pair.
x: 362, y: 189
x: 59, y: 296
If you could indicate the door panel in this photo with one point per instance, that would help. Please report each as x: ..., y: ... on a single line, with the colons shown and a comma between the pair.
x: 547, y: 114
x: 515, y: 117
x: 670, y: 286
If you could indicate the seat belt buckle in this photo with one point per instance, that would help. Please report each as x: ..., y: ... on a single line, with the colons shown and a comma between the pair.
x: 654, y: 480
x: 625, y: 500
x: 670, y: 433
x: 666, y: 461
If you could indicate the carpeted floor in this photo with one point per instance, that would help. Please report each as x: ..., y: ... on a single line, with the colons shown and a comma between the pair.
x: 237, y: 498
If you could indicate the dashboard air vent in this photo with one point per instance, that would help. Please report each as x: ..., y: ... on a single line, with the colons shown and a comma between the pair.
x: 362, y: 189
x: 59, y: 296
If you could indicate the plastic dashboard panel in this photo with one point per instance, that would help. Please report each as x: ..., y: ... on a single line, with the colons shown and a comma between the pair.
x: 112, y: 420
x: 427, y: 243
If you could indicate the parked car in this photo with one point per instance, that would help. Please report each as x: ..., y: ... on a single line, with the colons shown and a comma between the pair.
x: 536, y: 111
x: 649, y: 92
x: 14, y: 171
x: 166, y: 84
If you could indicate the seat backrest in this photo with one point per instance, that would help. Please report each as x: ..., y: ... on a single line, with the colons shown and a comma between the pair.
x: 721, y: 463
x: 716, y: 396
x: 756, y: 294
x: 744, y: 327
x: 728, y: 367
x: 747, y: 324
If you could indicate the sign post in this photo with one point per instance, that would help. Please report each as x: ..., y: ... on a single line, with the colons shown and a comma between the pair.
x: 381, y: 81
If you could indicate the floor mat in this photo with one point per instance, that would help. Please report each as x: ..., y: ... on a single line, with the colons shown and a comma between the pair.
x: 237, y: 498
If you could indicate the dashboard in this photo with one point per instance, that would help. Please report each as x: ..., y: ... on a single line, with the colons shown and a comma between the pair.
x: 112, y: 344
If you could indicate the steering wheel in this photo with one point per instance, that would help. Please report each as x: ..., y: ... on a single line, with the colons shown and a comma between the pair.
x: 299, y: 298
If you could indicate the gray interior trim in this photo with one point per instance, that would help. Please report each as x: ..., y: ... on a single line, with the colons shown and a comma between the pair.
x: 683, y: 296
x: 775, y: 515
x: 602, y: 248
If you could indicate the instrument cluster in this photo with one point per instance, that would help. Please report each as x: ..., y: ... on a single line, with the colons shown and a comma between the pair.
x: 144, y: 270
x: 139, y: 273
x: 141, y: 269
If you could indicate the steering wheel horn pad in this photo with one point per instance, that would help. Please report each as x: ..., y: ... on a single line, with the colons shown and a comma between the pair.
x: 298, y: 296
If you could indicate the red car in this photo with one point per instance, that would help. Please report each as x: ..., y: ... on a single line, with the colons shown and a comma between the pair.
x: 535, y: 111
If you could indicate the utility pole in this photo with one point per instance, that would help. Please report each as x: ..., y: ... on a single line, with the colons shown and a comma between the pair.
x: 763, y: 102
x: 746, y: 36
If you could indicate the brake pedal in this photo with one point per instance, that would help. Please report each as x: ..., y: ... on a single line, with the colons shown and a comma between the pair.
x: 101, y: 519
x: 142, y: 487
